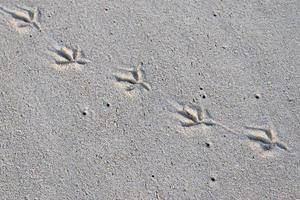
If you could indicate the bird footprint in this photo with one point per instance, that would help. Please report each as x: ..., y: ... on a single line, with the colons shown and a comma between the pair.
x: 25, y: 17
x: 134, y: 77
x: 269, y: 141
x: 198, y: 115
x: 195, y: 116
x: 66, y: 56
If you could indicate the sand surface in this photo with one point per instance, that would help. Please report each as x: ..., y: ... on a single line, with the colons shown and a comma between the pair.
x: 149, y: 99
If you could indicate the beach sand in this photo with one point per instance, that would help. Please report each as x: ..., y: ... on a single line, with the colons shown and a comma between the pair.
x: 149, y: 99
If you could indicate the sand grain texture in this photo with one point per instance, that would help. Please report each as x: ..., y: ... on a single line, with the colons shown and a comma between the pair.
x: 149, y: 99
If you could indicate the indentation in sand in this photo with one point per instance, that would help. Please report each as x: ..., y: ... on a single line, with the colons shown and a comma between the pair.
x: 24, y: 18
x: 67, y: 58
x: 264, y: 141
x: 132, y: 78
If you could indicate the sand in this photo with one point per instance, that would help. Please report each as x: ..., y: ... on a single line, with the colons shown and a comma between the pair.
x: 149, y: 99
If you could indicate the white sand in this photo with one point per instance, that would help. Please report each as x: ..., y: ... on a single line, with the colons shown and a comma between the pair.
x: 149, y: 99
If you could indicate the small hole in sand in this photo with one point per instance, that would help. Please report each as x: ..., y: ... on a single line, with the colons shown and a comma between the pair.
x: 207, y: 145
x: 213, y: 179
x: 204, y: 96
x: 84, y: 113
x: 257, y: 96
x: 108, y: 105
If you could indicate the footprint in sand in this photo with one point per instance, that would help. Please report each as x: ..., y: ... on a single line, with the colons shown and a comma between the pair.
x: 24, y: 17
x: 266, y: 139
x: 133, y: 78
x: 68, y: 58
x: 195, y: 115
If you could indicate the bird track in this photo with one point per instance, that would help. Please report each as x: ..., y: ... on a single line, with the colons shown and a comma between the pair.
x: 194, y: 116
x: 26, y: 17
x: 198, y: 115
x: 270, y: 141
x: 134, y: 78
x: 66, y: 56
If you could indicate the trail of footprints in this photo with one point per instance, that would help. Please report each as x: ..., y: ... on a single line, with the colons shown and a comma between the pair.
x: 134, y: 78
x: 65, y: 57
x: 194, y: 116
